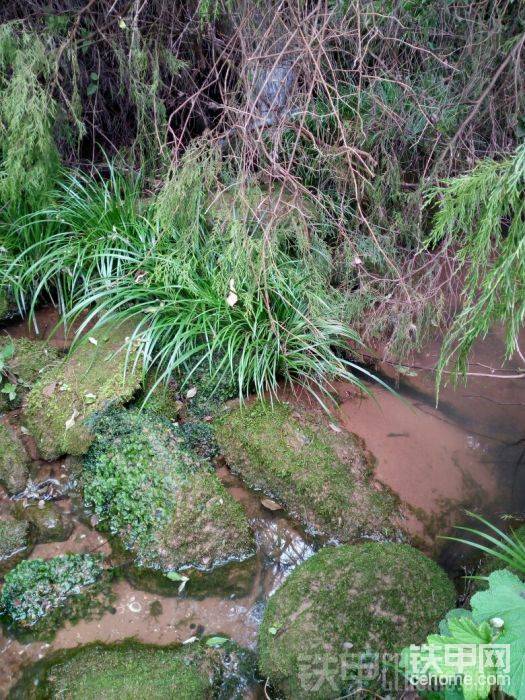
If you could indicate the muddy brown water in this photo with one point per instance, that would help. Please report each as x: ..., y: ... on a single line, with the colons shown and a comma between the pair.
x: 467, y: 453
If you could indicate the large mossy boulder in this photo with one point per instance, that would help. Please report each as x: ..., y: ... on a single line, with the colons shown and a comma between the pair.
x: 15, y: 543
x: 322, y: 476
x: 373, y: 597
x: 98, y: 374
x: 132, y: 671
x: 40, y: 592
x: 14, y: 461
x: 166, y: 505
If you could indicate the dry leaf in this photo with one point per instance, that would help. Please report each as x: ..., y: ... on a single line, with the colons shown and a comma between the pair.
x: 49, y: 390
x: 191, y: 392
x: 270, y: 505
x: 335, y: 428
x: 71, y: 421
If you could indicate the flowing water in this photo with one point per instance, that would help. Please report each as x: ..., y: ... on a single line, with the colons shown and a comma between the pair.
x: 467, y: 453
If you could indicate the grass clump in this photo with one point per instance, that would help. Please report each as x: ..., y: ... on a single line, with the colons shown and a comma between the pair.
x: 321, y: 477
x: 167, y: 506
x: 39, y: 588
x: 372, y: 596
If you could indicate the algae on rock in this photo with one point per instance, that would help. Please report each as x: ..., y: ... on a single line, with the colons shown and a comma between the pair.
x: 14, y: 461
x: 15, y: 543
x: 132, y: 670
x: 96, y: 375
x: 49, y: 522
x: 167, y: 506
x: 27, y: 362
x: 375, y: 597
x: 322, y: 477
x: 39, y: 590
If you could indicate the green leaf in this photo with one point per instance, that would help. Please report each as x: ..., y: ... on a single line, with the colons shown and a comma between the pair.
x: 91, y: 89
x: 175, y: 576
x: 93, y: 77
x: 216, y: 641
x: 450, y: 656
x: 505, y: 599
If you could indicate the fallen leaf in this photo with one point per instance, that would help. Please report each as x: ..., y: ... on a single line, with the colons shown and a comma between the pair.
x: 216, y: 641
x: 24, y: 430
x: 336, y: 428
x: 122, y: 24
x: 190, y: 640
x: 49, y: 390
x: 191, y: 392
x: 270, y: 505
x: 232, y: 299
x: 90, y: 398
x: 71, y: 420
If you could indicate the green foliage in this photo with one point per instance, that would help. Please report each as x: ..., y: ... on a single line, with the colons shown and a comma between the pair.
x: 508, y: 548
x: 200, y: 438
x: 497, y: 617
x: 127, y: 496
x: 505, y: 600
x: 37, y: 588
x: 29, y: 159
x: 484, y: 211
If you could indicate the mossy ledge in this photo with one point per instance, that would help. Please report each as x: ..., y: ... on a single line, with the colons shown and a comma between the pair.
x: 322, y: 477
x: 14, y: 461
x: 16, y: 542
x: 131, y: 670
x: 96, y: 375
x: 166, y: 505
x: 373, y: 596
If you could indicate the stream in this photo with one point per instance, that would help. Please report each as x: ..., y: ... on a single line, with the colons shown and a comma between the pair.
x: 467, y: 453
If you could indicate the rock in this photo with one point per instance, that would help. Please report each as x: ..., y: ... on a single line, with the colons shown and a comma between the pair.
x: 49, y: 521
x: 342, y: 601
x: 168, y: 506
x: 8, y: 308
x: 39, y: 590
x: 14, y: 461
x: 323, y: 478
x: 65, y: 398
x: 15, y: 543
x: 131, y: 670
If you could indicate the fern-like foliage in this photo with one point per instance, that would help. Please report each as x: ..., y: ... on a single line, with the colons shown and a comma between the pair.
x: 484, y: 211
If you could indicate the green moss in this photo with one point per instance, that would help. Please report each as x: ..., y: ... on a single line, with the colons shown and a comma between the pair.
x: 321, y: 477
x: 30, y: 358
x: 376, y: 596
x: 15, y: 543
x: 14, y: 460
x: 4, y: 305
x: 62, y: 404
x: 49, y: 522
x: 40, y: 590
x: 167, y: 506
x: 130, y: 671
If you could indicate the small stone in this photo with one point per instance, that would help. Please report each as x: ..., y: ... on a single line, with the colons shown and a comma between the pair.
x: 270, y: 505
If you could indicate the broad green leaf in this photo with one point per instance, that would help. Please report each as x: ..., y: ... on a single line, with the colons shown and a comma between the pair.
x: 450, y: 655
x: 505, y: 599
x: 216, y: 641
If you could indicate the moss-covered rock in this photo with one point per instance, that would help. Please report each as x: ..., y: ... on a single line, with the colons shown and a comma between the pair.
x: 39, y: 590
x: 15, y: 543
x: 27, y: 361
x: 167, y: 506
x: 321, y: 476
x: 346, y: 600
x: 48, y: 520
x: 96, y: 375
x: 131, y: 670
x: 14, y: 461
